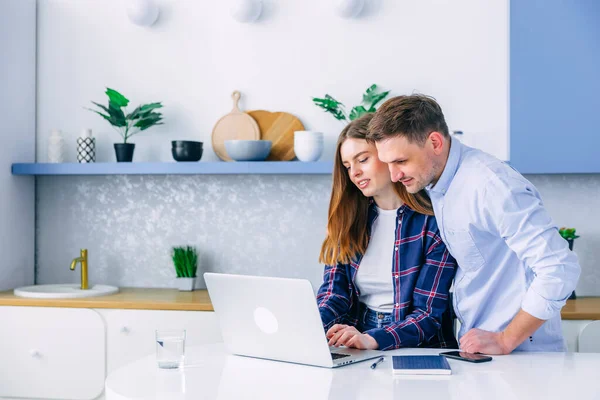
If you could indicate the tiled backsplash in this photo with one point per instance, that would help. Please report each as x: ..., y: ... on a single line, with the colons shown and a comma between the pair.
x: 267, y: 225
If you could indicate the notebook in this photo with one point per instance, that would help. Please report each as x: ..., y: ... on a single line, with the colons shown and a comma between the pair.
x: 420, y: 365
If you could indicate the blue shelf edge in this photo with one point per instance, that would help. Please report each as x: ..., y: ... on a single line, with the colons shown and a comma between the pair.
x: 176, y: 168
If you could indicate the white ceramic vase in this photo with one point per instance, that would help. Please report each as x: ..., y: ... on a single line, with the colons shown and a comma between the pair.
x: 56, y: 147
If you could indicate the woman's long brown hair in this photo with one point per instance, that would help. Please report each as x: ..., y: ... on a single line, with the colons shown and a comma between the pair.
x: 348, y: 207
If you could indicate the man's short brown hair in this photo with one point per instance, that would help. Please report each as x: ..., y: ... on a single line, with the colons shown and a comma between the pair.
x: 413, y: 117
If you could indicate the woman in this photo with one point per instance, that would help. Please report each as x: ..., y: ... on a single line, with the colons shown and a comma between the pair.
x: 388, y: 273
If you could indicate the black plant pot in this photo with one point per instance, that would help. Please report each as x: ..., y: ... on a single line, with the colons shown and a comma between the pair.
x: 124, y: 151
x: 571, y: 242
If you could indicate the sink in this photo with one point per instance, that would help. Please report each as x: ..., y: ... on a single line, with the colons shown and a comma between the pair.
x: 64, y: 291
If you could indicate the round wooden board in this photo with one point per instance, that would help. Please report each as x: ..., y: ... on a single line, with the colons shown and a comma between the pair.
x: 236, y: 125
x: 279, y: 128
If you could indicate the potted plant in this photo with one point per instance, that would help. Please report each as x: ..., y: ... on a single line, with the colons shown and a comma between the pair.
x: 127, y: 124
x: 370, y: 99
x: 569, y: 235
x: 185, y: 260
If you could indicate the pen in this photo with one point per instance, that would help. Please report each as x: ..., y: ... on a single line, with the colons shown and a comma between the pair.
x: 374, y: 365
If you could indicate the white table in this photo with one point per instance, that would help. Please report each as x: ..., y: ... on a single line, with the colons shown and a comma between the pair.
x: 210, y: 373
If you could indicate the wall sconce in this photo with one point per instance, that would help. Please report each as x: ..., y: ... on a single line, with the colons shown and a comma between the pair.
x: 142, y: 12
x: 246, y: 10
x: 349, y: 8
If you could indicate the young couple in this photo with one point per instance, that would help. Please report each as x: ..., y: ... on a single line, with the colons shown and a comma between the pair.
x: 390, y: 263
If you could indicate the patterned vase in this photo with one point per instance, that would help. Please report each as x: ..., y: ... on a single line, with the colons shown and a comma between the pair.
x: 86, y: 147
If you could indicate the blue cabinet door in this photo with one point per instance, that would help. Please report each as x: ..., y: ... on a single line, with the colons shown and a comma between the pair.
x: 555, y: 86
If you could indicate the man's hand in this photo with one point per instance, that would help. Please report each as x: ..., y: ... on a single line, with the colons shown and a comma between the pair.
x: 349, y: 336
x: 480, y: 341
x: 520, y: 328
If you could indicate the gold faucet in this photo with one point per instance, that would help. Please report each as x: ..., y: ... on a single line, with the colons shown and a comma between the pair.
x: 84, y: 270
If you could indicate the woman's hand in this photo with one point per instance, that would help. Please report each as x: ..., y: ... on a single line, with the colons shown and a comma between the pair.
x: 349, y: 336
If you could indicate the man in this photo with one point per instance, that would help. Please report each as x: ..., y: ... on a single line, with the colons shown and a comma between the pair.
x: 515, y: 271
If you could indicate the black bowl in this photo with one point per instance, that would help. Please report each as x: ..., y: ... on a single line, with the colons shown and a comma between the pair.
x: 185, y: 143
x: 186, y: 150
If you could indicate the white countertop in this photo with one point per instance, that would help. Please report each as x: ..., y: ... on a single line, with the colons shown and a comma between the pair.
x: 210, y: 373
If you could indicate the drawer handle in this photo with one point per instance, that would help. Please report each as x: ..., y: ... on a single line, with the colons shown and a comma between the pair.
x: 125, y: 330
x: 35, y: 353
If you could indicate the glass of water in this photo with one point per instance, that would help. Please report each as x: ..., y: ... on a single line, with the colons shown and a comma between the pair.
x: 170, y: 348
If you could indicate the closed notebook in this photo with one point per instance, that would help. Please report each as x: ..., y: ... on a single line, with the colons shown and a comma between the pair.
x: 420, y: 365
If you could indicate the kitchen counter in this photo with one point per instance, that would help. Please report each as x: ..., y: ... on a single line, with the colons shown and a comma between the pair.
x: 582, y: 308
x: 127, y: 298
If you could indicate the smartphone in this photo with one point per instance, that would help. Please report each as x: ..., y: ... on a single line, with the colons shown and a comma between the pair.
x: 464, y: 356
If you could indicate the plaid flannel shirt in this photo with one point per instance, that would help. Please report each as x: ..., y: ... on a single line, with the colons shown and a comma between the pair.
x: 422, y: 271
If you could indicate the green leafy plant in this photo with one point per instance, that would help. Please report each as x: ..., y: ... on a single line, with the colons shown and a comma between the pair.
x: 370, y: 99
x: 185, y: 260
x: 128, y: 124
x: 568, y: 233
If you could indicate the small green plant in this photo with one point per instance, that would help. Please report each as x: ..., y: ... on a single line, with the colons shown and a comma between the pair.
x: 185, y: 260
x: 568, y: 233
x: 128, y: 124
x: 369, y: 101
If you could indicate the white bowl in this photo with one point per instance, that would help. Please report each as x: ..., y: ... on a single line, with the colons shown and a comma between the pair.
x: 306, y: 135
x: 308, y: 140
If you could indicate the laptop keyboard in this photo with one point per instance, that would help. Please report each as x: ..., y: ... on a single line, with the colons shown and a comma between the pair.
x: 337, y: 356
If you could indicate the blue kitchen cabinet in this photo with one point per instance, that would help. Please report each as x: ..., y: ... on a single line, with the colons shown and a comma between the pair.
x: 554, y: 86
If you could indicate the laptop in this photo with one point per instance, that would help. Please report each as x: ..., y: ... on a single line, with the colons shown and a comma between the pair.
x: 275, y: 319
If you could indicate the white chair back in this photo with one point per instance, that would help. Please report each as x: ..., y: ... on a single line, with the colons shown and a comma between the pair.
x: 589, y: 338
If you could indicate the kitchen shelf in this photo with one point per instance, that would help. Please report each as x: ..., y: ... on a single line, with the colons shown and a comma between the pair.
x: 176, y: 168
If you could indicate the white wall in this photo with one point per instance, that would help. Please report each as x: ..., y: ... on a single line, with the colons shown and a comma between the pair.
x: 17, y: 136
x: 196, y: 55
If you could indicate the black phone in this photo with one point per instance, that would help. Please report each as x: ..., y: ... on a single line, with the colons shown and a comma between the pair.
x: 464, y: 356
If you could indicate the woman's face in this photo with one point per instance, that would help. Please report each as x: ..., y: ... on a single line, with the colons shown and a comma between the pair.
x: 371, y: 176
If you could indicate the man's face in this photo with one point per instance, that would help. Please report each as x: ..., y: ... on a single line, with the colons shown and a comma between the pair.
x: 413, y: 165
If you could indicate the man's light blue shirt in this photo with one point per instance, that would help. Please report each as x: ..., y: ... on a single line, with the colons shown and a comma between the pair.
x: 509, y: 252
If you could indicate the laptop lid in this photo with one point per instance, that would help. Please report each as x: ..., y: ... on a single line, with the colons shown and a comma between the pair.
x: 273, y: 318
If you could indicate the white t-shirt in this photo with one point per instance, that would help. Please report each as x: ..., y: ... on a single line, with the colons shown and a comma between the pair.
x: 374, y: 276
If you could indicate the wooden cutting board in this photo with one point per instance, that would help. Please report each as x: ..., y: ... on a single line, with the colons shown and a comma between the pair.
x: 279, y: 128
x: 236, y: 125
